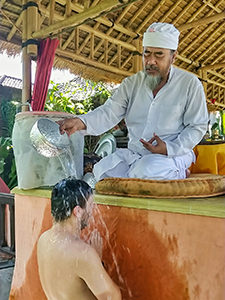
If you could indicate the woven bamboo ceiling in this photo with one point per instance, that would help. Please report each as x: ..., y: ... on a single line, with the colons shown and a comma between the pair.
x: 101, y: 39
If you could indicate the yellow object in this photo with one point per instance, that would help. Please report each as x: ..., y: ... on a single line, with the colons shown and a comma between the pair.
x: 209, y: 159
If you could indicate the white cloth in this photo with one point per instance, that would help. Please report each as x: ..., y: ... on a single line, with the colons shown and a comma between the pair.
x: 161, y: 35
x: 125, y: 163
x: 177, y: 114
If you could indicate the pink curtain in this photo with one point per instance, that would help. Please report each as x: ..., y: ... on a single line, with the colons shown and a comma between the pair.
x: 46, y: 54
x: 3, y: 187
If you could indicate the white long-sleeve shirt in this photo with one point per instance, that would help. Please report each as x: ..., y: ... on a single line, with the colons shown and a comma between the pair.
x: 177, y: 114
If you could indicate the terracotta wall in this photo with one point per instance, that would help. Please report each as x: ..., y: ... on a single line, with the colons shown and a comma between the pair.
x: 150, y: 255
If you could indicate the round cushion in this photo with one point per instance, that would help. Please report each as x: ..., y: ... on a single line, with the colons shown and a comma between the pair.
x: 195, y: 186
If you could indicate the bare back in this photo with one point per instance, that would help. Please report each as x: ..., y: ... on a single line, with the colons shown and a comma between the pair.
x: 58, y: 268
x: 70, y: 269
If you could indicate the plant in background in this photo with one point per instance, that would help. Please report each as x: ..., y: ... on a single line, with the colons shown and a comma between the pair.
x: 7, y: 159
x: 7, y: 162
x: 78, y: 96
x: 8, y: 112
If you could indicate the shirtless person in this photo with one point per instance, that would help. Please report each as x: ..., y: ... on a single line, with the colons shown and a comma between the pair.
x: 69, y: 268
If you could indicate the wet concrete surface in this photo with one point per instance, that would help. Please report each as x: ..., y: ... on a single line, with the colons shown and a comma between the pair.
x: 6, y: 273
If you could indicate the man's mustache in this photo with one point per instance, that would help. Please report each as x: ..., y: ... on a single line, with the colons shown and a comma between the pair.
x: 151, y: 68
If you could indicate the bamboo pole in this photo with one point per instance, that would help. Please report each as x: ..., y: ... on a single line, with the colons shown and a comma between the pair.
x: 102, y: 36
x: 51, y: 11
x: 87, y: 28
x: 106, y: 49
x: 215, y: 66
x: 75, y: 20
x: 15, y: 27
x: 137, y: 65
x: 32, y: 26
x: 68, y: 8
x: 26, y: 65
x: 202, y: 21
x: 79, y: 8
x: 119, y: 55
x: 87, y: 61
x: 217, y: 103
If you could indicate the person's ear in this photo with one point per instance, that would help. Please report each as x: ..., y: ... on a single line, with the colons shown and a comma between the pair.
x: 77, y: 211
x: 174, y: 56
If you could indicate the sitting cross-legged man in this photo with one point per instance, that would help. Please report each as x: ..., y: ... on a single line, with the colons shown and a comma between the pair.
x: 165, y: 111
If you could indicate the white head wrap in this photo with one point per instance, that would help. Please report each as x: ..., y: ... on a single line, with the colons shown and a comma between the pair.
x: 161, y: 35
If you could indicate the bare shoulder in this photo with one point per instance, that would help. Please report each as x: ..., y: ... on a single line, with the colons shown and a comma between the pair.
x: 84, y: 251
x: 44, y: 237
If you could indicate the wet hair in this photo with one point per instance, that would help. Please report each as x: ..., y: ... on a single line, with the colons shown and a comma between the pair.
x: 67, y: 194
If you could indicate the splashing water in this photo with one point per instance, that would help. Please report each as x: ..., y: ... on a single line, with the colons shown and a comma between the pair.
x: 68, y: 164
x: 112, y: 252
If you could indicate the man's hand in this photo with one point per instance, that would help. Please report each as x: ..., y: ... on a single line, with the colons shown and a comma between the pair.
x: 159, y: 148
x: 70, y: 125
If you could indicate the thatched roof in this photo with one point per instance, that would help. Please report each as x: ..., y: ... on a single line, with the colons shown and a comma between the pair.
x: 105, y: 43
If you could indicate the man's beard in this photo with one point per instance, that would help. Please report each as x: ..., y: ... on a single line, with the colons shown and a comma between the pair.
x: 152, y: 81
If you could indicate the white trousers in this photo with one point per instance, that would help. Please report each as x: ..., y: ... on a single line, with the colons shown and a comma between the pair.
x: 125, y: 163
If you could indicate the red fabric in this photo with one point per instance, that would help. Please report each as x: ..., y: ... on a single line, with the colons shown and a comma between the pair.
x: 46, y: 54
x: 3, y: 187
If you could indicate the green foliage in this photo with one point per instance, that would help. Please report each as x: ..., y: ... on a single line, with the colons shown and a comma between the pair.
x: 78, y: 97
x: 7, y: 162
x: 8, y: 112
x: 215, y: 126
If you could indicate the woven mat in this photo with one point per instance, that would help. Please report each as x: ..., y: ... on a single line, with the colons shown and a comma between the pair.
x: 195, y: 186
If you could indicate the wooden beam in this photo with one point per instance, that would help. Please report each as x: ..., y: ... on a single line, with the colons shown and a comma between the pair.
x: 51, y: 11
x: 77, y: 19
x: 32, y: 25
x: 202, y: 21
x: 216, y: 103
x: 137, y: 13
x: 204, y: 32
x: 76, y: 39
x: 192, y: 18
x: 68, y: 8
x: 183, y: 12
x: 111, y: 29
x: 199, y: 58
x: 150, y: 16
x: 209, y: 4
x: 26, y: 65
x: 90, y: 72
x: 79, y: 8
x: 216, y: 74
x: 15, y: 27
x: 2, y: 3
x: 169, y: 12
x: 90, y: 30
x: 216, y: 83
x: 87, y: 61
x: 215, y: 66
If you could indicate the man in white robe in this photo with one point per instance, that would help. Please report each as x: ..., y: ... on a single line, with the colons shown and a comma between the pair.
x: 164, y: 109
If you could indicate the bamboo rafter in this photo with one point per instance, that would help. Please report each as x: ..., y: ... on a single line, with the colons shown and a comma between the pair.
x: 203, y: 21
x: 216, y: 42
x: 90, y: 13
x: 214, y: 66
x: 197, y: 12
x: 209, y: 4
x: 174, y: 6
x: 88, y: 29
x: 86, y: 60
